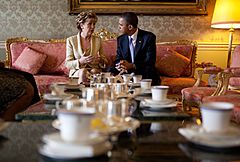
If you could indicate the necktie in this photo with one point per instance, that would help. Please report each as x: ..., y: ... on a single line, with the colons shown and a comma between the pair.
x: 131, y: 47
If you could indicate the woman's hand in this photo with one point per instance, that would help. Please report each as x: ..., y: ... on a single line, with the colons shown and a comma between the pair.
x: 86, y: 59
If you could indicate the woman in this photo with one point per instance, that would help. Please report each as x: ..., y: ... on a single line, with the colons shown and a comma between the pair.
x: 84, y: 55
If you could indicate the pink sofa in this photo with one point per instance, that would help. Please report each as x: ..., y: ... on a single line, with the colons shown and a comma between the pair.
x: 45, y: 71
x: 175, y: 62
x: 45, y: 60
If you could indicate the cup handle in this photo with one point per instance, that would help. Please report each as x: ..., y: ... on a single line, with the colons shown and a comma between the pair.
x: 59, y: 105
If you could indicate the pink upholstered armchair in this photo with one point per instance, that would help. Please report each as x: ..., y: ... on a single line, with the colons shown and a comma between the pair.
x: 229, y: 79
x: 193, y: 96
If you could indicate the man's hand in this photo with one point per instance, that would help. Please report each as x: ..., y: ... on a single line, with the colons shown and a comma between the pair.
x: 123, y: 65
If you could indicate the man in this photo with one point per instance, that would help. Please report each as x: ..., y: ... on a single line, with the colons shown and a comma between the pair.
x: 136, y: 49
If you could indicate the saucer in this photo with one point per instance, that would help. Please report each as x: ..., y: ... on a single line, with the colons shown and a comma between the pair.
x: 197, y: 135
x: 50, y: 96
x: 146, y: 91
x: 125, y: 124
x: 162, y: 102
x: 138, y: 84
x: 158, y: 106
x: 55, y: 139
x: 74, y: 151
x: 74, y: 86
x: 228, y: 133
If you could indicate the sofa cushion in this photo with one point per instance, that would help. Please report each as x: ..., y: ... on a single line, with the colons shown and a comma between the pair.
x: 172, y: 63
x: 56, y: 52
x: 185, y: 50
x: 30, y: 61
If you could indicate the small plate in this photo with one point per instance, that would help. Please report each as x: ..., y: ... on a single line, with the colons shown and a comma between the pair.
x: 50, y: 96
x: 162, y: 102
x: 146, y: 91
x: 74, y: 86
x: 56, y: 140
x: 134, y: 84
x: 197, y: 135
x: 74, y: 151
x: 228, y: 133
x: 158, y: 106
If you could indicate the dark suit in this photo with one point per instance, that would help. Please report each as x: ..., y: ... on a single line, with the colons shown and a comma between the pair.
x: 145, y: 54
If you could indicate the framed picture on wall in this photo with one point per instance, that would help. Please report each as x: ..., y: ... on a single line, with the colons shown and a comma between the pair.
x: 148, y: 7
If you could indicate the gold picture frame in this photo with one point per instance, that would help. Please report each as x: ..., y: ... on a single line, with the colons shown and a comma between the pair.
x: 147, y: 7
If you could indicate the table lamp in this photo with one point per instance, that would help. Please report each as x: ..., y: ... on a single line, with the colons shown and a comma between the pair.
x: 226, y: 15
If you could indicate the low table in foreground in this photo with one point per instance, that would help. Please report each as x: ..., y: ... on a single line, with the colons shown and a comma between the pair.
x: 19, y: 142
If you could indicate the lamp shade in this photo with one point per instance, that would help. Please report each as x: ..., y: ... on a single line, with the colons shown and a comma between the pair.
x: 226, y: 14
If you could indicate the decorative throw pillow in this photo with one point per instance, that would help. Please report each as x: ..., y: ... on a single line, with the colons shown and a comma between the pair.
x: 172, y: 63
x: 30, y: 61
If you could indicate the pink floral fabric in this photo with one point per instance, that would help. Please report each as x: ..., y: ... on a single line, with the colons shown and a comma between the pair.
x: 177, y: 84
x: 196, y: 94
x: 110, y: 51
x: 235, y: 65
x: 44, y: 81
x: 236, y: 57
x: 56, y: 54
x: 172, y: 63
x: 30, y: 61
x: 234, y: 99
x: 212, y: 70
x: 199, y: 94
x: 185, y: 50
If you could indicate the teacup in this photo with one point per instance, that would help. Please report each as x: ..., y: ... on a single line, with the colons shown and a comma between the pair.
x: 57, y: 88
x: 93, y: 94
x: 137, y: 78
x: 73, y: 81
x: 75, y: 124
x: 126, y: 78
x: 216, y: 116
x: 146, y: 83
x: 127, y: 107
x: 159, y: 93
x: 120, y: 88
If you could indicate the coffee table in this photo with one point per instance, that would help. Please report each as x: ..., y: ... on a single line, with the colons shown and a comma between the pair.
x: 20, y: 141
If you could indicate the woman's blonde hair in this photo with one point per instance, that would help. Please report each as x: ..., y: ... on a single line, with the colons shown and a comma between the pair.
x: 82, y: 18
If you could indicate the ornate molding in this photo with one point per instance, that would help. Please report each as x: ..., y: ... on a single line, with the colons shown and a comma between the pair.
x: 197, y: 7
x: 214, y: 46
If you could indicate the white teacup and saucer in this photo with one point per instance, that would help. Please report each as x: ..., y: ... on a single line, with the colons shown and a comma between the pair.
x: 159, y: 96
x: 216, y: 130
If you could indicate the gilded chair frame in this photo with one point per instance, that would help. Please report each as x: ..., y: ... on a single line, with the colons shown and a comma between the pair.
x: 221, y: 89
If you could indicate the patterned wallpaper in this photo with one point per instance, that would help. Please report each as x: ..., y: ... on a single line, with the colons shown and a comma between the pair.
x: 44, y: 19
